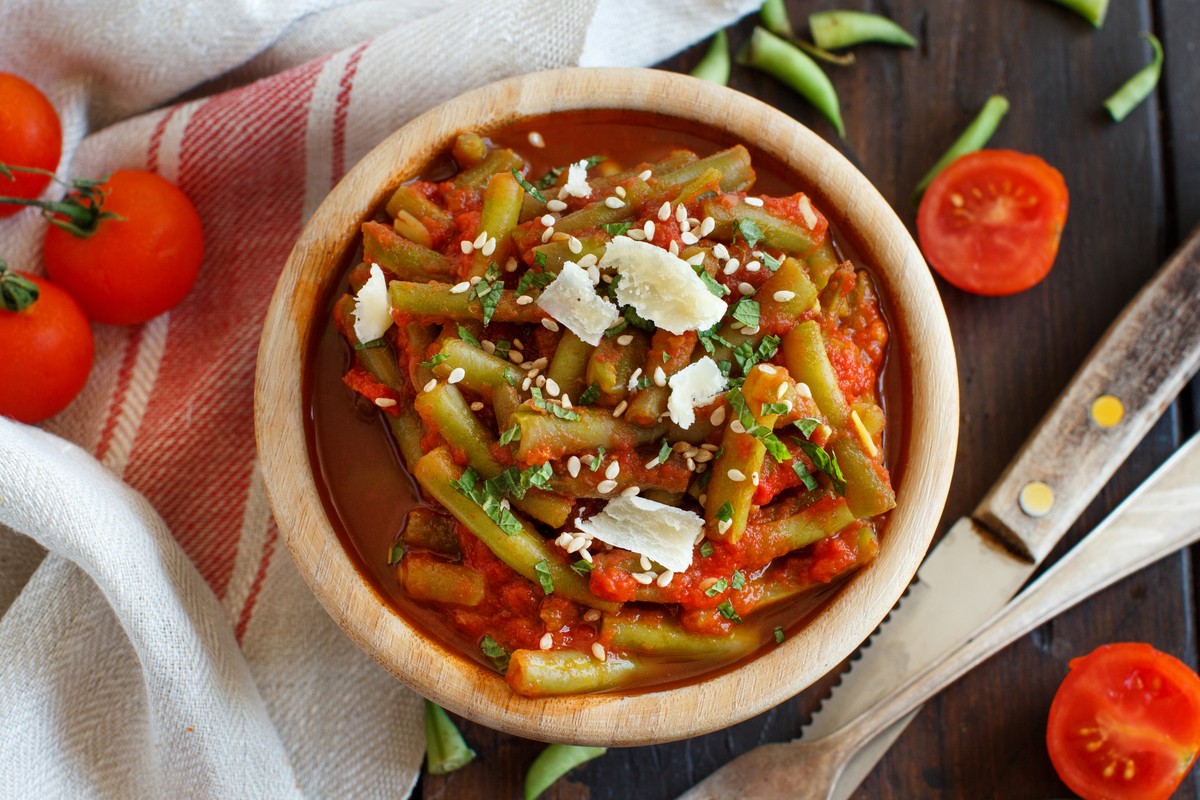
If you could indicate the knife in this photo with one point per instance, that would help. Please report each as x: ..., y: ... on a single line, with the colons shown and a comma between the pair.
x: 1127, y: 381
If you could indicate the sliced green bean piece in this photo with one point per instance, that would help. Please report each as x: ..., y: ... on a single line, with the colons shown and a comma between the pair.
x: 733, y: 164
x: 778, y: 233
x: 973, y: 138
x: 501, y: 211
x: 406, y: 198
x: 806, y: 359
x: 668, y: 354
x: 435, y: 301
x: 822, y: 263
x: 1091, y: 10
x: 778, y: 57
x: 483, y: 372
x: 436, y: 472
x: 769, y: 540
x: 544, y: 673
x: 554, y: 762
x: 445, y: 749
x: 834, y: 30
x: 379, y: 361
x: 431, y: 530
x: 1140, y: 86
x: 612, y: 363
x: 469, y: 149
x: 868, y: 489
x: 496, y: 162
x: 557, y: 253
x: 774, y: 591
x: 658, y: 635
x: 714, y: 67
x: 437, y: 581
x: 569, y: 365
x: 407, y: 429
x: 383, y: 246
x: 670, y: 476
x: 545, y: 437
x: 774, y: 17
x: 419, y: 338
x: 505, y: 400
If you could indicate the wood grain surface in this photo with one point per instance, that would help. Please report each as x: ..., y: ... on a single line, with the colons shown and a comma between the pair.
x: 1135, y: 192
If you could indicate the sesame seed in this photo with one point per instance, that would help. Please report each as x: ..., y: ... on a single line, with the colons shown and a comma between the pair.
x: 480, y: 240
x: 750, y: 331
x: 574, y: 245
x: 681, y: 214
x: 475, y: 280
x: 645, y: 174
x: 673, y: 248
x: 489, y: 246
x: 620, y: 409
x: 724, y: 525
x: 613, y: 202
x: 745, y: 288
x: 606, y: 486
x: 546, y: 234
x: 664, y: 213
x: 644, y: 578
x: 556, y: 205
x: 767, y: 368
x: 459, y: 288
x: 547, y: 220
x: 546, y: 642
x: 645, y: 563
x: 706, y: 227
x: 702, y: 499
x: 540, y: 381
x: 637, y: 234
x: 660, y: 377
x: 783, y: 296
x: 783, y: 388
x: 703, y: 456
x: 560, y: 236
x: 802, y: 390
x: 477, y: 406
x: 517, y: 343
x: 489, y: 346
x: 718, y: 415
x: 691, y: 464
x: 588, y: 260
x: 573, y: 466
x: 588, y: 558
x: 807, y: 212
x: 566, y: 400
x: 696, y: 259
x: 649, y: 228
x: 533, y: 371
x: 429, y: 387
x: 466, y: 246
x: 510, y: 265
x: 753, y: 266
x: 736, y: 426
x: 664, y: 580
x: 720, y: 251
x: 633, y: 379
x: 456, y: 375
x: 525, y: 384
x: 515, y: 356
x: 591, y: 615
x: 652, y: 463
x: 552, y: 388
x: 598, y: 651
x: 549, y: 324
x: 625, y: 339
x: 524, y: 300
x: 685, y: 226
x: 577, y: 544
x: 753, y: 201
x: 754, y: 478
x: 630, y: 491
x: 736, y: 475
x: 712, y: 448
x: 384, y: 402
x: 612, y: 470
x: 731, y: 267
x: 536, y: 140
x: 593, y: 274
x: 564, y: 540
x: 688, y: 238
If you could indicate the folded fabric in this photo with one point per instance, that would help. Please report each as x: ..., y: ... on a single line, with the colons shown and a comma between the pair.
x: 165, y: 645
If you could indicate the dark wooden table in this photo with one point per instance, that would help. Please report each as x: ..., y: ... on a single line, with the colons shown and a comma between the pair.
x: 1135, y: 193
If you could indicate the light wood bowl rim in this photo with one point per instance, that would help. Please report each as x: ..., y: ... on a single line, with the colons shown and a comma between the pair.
x: 919, y: 328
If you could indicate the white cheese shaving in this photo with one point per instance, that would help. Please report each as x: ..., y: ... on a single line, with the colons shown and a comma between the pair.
x: 577, y: 185
x: 697, y: 384
x: 372, y: 309
x: 664, y: 534
x: 572, y: 300
x: 661, y: 287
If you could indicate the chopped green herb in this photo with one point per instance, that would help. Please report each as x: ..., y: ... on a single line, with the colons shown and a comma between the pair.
x: 774, y: 408
x: 617, y: 228
x: 746, y: 311
x: 642, y: 383
x: 371, y: 345
x: 711, y: 340
x: 709, y: 281
x: 589, y: 395
x: 706, y: 549
x: 433, y: 362
x: 582, y: 567
x: 664, y: 452
x: 488, y: 292
x: 737, y: 580
x: 747, y: 355
x: 826, y: 462
x: 804, y: 475
x: 539, y: 401
x: 544, y: 578
x: 468, y: 337
x: 470, y: 486
x: 749, y: 231
x: 636, y: 321
x: 779, y: 636
x: 539, y: 259
x: 502, y: 348
x: 666, y: 356
x: 538, y: 280
x: 770, y: 262
x: 739, y: 406
x: 511, y: 377
x: 718, y: 587
x: 598, y: 460
x: 395, y: 553
x: 445, y: 748
x: 725, y: 512
x: 807, y: 425
x: 550, y: 178
x: 515, y: 482
x: 616, y: 329
x: 529, y: 187
x: 725, y: 366
x: 726, y: 610
x: 511, y: 435
x: 495, y: 652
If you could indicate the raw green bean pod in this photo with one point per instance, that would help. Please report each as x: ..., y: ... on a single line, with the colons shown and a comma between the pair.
x: 1140, y: 86
x: 445, y: 748
x: 554, y: 762
x: 1091, y: 10
x: 788, y: 63
x: 834, y: 30
x: 973, y: 138
x: 714, y: 67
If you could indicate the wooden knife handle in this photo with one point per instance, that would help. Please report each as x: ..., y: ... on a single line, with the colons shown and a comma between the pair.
x: 1143, y: 360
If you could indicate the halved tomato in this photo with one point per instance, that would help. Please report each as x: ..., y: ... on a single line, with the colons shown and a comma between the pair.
x: 990, y: 223
x: 1125, y: 724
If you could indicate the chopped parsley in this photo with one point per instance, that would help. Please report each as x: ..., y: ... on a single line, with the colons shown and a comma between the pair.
x: 726, y: 610
x: 664, y: 452
x: 804, y: 475
x: 488, y: 292
x: 739, y: 406
x: 709, y: 281
x: 395, y: 553
x: 529, y: 187
x: 539, y: 401
x: 746, y: 311
x: 471, y: 487
x: 779, y: 636
x: 439, y: 358
x: 725, y: 512
x: 718, y: 587
x: 589, y: 395
x: 747, y: 355
x: 770, y: 262
x: 737, y: 580
x: 542, y: 568
x: 807, y: 425
x: 711, y: 340
x: 616, y: 228
x: 538, y: 280
x: 599, y: 459
x: 371, y: 345
x: 539, y: 259
x: 582, y: 567
x: 495, y: 652
x: 826, y: 462
x: 511, y: 435
x: 706, y: 549
x: 468, y: 337
x: 748, y: 230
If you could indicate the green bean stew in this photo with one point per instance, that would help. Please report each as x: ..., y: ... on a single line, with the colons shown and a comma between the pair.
x: 639, y: 399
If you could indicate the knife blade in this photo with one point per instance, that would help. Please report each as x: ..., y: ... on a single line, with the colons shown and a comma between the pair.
x: 1138, y: 367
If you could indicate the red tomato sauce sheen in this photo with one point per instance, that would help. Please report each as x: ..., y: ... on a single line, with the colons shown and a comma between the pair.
x: 368, y: 493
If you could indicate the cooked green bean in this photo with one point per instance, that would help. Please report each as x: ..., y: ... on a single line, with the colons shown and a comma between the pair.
x: 496, y: 162
x: 787, y: 294
x: 431, y: 530
x: 868, y: 490
x: 445, y: 749
x: 788, y: 63
x: 505, y: 400
x: 545, y: 437
x: 714, y: 67
x: 778, y: 233
x: 613, y: 362
x: 554, y: 762
x: 436, y: 301
x: 545, y: 673
x: 382, y: 246
x: 1091, y: 10
x: 973, y: 138
x: 668, y: 354
x: 569, y: 364
x: 767, y: 540
x: 670, y: 476
x: 557, y: 253
x: 406, y: 198
x: 501, y: 211
x: 733, y: 164
x: 660, y: 635
x: 379, y: 361
x: 821, y: 264
x: 834, y: 30
x: 483, y: 372
x: 522, y: 551
x: 805, y: 357
x: 407, y: 430
x: 469, y: 149
x: 774, y: 17
x: 441, y: 582
x: 1140, y: 86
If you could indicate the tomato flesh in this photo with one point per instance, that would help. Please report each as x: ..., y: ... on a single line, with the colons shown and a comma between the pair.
x: 1125, y: 723
x: 991, y: 222
x: 30, y: 136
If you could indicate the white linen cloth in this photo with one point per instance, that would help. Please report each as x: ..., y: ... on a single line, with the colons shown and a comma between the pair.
x: 155, y: 639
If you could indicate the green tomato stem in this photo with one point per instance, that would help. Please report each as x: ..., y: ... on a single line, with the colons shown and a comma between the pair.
x: 714, y: 67
x: 79, y: 213
x: 445, y: 748
x: 1140, y: 86
x: 17, y: 292
x: 973, y: 138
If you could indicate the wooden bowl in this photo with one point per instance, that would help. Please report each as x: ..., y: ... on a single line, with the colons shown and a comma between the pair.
x: 930, y: 397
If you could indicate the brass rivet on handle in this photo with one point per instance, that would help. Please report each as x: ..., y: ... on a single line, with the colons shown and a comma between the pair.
x: 1036, y: 498
x: 1107, y: 410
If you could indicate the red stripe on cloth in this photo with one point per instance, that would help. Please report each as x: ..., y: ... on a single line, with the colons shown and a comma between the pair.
x: 242, y: 163
x: 124, y: 374
x: 156, y: 137
x: 342, y: 110
x: 248, y: 609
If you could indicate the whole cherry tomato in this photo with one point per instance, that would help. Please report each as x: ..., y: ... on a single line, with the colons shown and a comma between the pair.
x: 30, y: 136
x: 138, y: 258
x: 48, y: 347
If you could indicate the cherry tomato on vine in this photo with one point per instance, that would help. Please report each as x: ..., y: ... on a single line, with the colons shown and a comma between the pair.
x: 134, y: 260
x: 30, y: 136
x: 1125, y: 724
x: 990, y: 223
x: 48, y: 347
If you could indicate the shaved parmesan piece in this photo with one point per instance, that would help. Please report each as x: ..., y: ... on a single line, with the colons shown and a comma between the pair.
x: 661, y: 287
x: 372, y: 309
x: 697, y: 384
x: 664, y: 534
x: 572, y: 300
x: 577, y: 185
